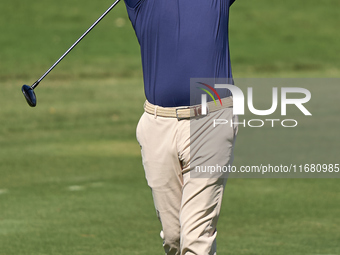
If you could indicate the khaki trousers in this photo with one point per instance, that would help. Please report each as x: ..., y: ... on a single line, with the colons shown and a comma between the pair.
x: 187, y: 207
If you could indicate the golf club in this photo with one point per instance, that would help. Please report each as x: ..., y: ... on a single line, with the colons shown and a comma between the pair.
x: 28, y: 91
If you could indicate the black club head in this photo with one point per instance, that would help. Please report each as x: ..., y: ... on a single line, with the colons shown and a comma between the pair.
x: 29, y: 95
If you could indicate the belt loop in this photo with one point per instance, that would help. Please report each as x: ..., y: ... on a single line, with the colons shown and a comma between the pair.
x: 155, y: 113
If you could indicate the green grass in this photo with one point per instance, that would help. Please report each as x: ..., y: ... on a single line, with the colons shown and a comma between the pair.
x: 71, y: 178
x: 286, y: 38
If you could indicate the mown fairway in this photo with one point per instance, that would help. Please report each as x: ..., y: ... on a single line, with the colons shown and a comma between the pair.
x: 71, y: 178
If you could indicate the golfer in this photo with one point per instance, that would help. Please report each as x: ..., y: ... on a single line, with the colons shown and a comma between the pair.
x: 182, y: 40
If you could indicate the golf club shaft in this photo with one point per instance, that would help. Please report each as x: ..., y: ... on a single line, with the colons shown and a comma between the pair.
x: 71, y: 48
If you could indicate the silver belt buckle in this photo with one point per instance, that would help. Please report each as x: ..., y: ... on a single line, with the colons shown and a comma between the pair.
x: 182, y: 108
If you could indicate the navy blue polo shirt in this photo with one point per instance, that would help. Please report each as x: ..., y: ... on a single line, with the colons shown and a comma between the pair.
x: 179, y: 40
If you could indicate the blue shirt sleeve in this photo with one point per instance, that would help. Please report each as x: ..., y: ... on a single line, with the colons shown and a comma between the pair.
x: 132, y: 3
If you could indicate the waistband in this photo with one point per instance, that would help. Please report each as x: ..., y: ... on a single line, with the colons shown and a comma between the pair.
x: 187, y: 112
